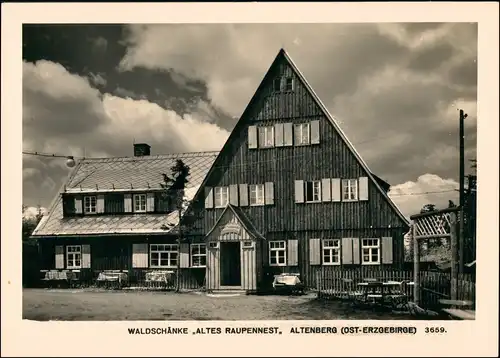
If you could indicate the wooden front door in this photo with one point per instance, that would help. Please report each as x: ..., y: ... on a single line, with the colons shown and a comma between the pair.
x: 230, y: 263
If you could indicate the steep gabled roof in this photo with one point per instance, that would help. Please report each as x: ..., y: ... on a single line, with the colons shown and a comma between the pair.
x: 117, y: 175
x: 282, y: 54
x: 242, y: 218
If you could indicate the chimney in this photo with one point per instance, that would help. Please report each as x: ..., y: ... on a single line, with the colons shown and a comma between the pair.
x: 141, y: 149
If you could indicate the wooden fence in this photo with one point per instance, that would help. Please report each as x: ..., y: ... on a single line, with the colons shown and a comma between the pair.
x: 434, y: 285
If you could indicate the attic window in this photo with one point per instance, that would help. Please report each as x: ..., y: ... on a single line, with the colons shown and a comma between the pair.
x: 277, y: 85
x: 90, y: 204
x: 140, y: 203
x: 288, y: 84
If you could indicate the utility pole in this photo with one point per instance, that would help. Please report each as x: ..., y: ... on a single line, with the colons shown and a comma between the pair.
x: 461, y: 233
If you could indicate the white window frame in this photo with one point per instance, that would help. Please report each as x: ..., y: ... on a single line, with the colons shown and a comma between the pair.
x: 258, y: 198
x: 302, y: 134
x: 90, y: 204
x: 274, y: 248
x: 350, y: 190
x: 331, y: 249
x: 169, y: 252
x: 368, y: 247
x: 221, y: 196
x: 316, y: 190
x: 266, y: 136
x: 73, y: 256
x: 193, y: 255
x: 289, y: 81
x: 140, y: 197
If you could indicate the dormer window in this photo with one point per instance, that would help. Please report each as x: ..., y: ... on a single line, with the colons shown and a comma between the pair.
x: 90, y: 204
x: 140, y: 203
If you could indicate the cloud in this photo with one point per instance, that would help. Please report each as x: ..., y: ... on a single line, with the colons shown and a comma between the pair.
x: 97, y: 79
x: 391, y: 86
x: 411, y: 196
x: 64, y: 114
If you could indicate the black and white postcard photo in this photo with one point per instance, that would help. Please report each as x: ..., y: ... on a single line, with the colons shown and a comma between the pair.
x: 231, y: 180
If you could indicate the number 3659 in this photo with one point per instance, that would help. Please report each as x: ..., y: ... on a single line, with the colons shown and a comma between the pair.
x: 435, y: 330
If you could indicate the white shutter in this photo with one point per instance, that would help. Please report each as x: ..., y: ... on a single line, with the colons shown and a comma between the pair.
x: 243, y: 195
x: 252, y: 137
x: 355, y: 251
x: 293, y: 252
x: 326, y: 188
x: 279, y: 135
x: 233, y: 194
x: 363, y: 188
x: 314, y: 252
x: 100, y: 204
x: 314, y: 132
x: 85, y: 256
x: 209, y: 197
x: 78, y: 205
x: 336, y: 194
x: 288, y: 134
x: 387, y: 250
x: 139, y: 255
x: 150, y: 202
x: 59, y: 257
x: 346, y: 251
x: 299, y: 191
x: 269, y: 193
x: 184, y: 256
x: 127, y: 203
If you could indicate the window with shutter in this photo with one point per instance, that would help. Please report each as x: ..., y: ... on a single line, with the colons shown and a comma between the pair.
x: 336, y: 195
x: 266, y: 137
x: 314, y: 251
x: 349, y: 189
x: 277, y: 253
x: 331, y: 252
x: 233, y: 194
x: 370, y: 251
x: 302, y: 134
x: 100, y: 204
x: 347, y: 251
x: 256, y: 194
x: 293, y: 252
x: 243, y: 194
x: 279, y: 135
x: 326, y: 188
x: 139, y: 255
x: 387, y: 257
x: 313, y: 191
x: 363, y: 188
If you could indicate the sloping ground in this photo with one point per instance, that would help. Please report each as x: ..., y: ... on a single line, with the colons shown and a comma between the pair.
x: 80, y: 305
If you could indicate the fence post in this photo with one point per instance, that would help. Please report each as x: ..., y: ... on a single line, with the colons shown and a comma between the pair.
x: 416, y: 266
x: 454, y: 258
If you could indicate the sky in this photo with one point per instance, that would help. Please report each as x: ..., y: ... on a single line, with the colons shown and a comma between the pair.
x: 395, y: 89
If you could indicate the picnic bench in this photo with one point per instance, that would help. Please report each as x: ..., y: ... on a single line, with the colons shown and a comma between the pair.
x: 58, y: 277
x: 458, y: 309
x: 112, y: 278
x: 159, y: 279
x: 380, y: 292
x: 289, y: 283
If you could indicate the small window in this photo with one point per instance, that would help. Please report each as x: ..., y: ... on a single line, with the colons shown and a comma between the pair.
x: 247, y: 244
x: 370, y: 251
x: 277, y: 85
x: 289, y: 84
x: 331, y: 252
x: 163, y: 256
x: 302, y: 134
x: 266, y: 137
x: 140, y: 203
x: 90, y: 204
x: 213, y: 244
x: 256, y: 194
x: 221, y: 195
x: 73, y: 256
x: 277, y: 253
x: 349, y: 189
x: 313, y: 191
x: 198, y: 255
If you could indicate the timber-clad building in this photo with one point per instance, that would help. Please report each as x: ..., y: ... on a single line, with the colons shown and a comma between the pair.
x: 287, y: 192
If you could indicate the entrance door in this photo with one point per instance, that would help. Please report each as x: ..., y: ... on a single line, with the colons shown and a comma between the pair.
x: 230, y: 263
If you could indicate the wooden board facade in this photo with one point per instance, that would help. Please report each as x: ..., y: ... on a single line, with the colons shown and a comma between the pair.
x: 326, y: 158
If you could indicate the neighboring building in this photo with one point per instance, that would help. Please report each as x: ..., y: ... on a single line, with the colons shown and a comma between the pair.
x: 287, y: 193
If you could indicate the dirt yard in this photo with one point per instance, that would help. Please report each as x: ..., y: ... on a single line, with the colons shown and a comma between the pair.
x: 79, y: 305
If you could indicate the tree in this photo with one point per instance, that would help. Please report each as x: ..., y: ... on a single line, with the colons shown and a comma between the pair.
x: 174, y: 187
x: 427, y: 208
x: 451, y: 204
x: 30, y: 223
